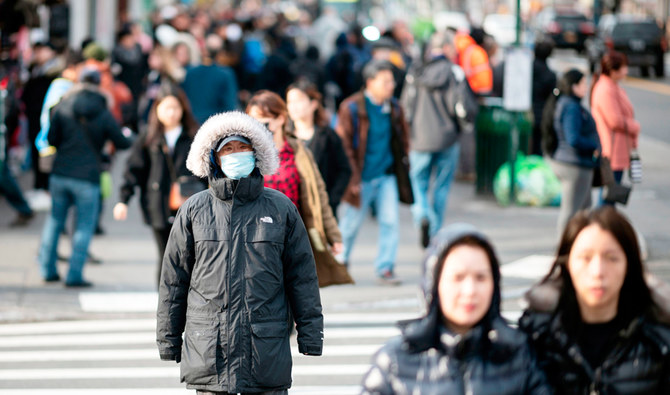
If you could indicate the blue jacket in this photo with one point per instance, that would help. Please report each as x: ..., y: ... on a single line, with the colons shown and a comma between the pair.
x: 210, y: 90
x: 576, y: 133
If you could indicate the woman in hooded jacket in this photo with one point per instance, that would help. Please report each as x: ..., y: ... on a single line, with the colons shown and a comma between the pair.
x: 462, y: 344
x: 299, y: 178
x: 156, y: 159
x: 597, y: 325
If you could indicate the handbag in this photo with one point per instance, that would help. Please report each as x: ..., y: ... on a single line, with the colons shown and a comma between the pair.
x: 45, y: 160
x: 603, y: 174
x: 182, y: 187
x: 635, y: 170
x: 613, y: 192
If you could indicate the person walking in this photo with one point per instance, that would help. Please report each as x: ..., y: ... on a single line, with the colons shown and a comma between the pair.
x: 210, y: 87
x: 598, y: 322
x: 299, y: 179
x: 374, y: 134
x: 434, y: 132
x: 462, y: 344
x: 310, y: 125
x: 80, y: 126
x: 157, y: 161
x: 577, y: 149
x: 544, y: 83
x: 613, y: 113
x: 238, y: 270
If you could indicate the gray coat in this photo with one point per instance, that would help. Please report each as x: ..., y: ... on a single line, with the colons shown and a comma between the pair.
x: 238, y: 271
x: 427, y: 101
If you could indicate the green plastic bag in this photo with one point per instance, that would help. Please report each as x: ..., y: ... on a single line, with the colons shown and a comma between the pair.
x: 105, y: 184
x: 536, y: 183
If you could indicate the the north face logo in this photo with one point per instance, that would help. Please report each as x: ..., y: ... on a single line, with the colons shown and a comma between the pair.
x: 267, y: 220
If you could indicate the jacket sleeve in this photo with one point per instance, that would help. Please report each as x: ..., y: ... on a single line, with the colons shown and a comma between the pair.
x: 114, y: 131
x: 174, y: 284
x: 55, y: 135
x: 343, y: 170
x: 377, y: 380
x: 344, y: 129
x: 302, y: 285
x: 329, y: 222
x: 137, y: 170
x: 572, y: 124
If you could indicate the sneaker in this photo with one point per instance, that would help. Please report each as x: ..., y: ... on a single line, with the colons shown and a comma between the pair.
x: 79, y: 284
x: 388, y: 278
x: 424, y: 233
x: 21, y: 220
x: 52, y: 279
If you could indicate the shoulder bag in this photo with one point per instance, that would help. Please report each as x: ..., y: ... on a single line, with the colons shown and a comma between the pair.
x: 182, y: 187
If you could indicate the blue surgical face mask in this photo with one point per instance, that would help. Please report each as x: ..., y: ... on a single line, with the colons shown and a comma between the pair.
x: 238, y: 165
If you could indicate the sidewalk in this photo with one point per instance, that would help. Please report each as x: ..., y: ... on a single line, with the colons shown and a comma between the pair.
x: 129, y: 256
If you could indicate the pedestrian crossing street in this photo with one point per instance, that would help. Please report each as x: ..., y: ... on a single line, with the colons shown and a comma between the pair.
x: 113, y: 356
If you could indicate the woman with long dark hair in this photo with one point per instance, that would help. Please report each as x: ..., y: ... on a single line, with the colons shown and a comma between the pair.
x: 593, y: 319
x: 462, y: 344
x: 578, y: 147
x: 310, y: 125
x: 613, y: 113
x: 157, y: 160
x: 298, y: 178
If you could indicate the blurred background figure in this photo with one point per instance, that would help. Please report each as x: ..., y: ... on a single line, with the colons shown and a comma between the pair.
x: 614, y: 115
x: 298, y: 178
x: 310, y: 125
x: 577, y: 149
x: 543, y: 84
x: 157, y: 160
x: 80, y: 126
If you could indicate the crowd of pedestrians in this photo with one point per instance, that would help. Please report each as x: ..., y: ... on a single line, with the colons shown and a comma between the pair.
x: 257, y: 151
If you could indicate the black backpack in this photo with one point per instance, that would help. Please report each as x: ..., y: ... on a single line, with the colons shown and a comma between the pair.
x: 549, y: 138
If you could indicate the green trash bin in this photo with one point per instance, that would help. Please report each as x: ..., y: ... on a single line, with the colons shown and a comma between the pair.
x: 493, y: 137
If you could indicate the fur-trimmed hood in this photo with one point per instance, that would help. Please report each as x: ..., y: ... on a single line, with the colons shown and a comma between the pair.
x: 228, y: 124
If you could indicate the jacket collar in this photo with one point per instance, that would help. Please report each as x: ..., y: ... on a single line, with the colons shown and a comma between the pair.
x: 243, y: 190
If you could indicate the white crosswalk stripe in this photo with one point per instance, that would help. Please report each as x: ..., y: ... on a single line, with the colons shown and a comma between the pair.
x: 106, y: 355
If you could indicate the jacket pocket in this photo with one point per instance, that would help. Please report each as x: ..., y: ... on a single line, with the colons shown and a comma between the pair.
x: 270, y: 354
x: 198, y: 355
x: 265, y: 244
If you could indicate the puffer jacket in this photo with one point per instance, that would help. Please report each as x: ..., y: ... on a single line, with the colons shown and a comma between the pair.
x: 428, y: 359
x: 638, y: 362
x: 237, y: 272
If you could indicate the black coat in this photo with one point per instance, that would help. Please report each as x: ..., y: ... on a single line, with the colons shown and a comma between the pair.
x: 147, y: 169
x: 332, y: 162
x: 237, y: 271
x: 429, y: 360
x: 638, y: 361
x: 78, y: 146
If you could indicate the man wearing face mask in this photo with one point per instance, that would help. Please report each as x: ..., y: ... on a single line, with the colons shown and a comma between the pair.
x: 238, y: 270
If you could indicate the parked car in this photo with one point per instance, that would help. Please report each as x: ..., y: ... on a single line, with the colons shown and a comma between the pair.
x: 567, y: 28
x: 639, y: 38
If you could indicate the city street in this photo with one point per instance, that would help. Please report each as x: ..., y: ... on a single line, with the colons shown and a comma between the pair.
x: 103, y: 338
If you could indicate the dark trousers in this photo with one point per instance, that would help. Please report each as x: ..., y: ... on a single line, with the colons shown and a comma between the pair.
x: 161, y: 235
x: 11, y: 190
x: 280, y: 392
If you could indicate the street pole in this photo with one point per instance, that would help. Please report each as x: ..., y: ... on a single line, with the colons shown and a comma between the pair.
x: 514, y: 133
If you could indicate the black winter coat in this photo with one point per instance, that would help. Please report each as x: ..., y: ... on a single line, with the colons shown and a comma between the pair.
x: 332, y: 162
x: 147, y: 168
x: 78, y: 147
x: 237, y: 271
x: 638, y: 361
x: 437, y: 362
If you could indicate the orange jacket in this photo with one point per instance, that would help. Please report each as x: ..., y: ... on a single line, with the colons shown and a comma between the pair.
x: 474, y: 61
